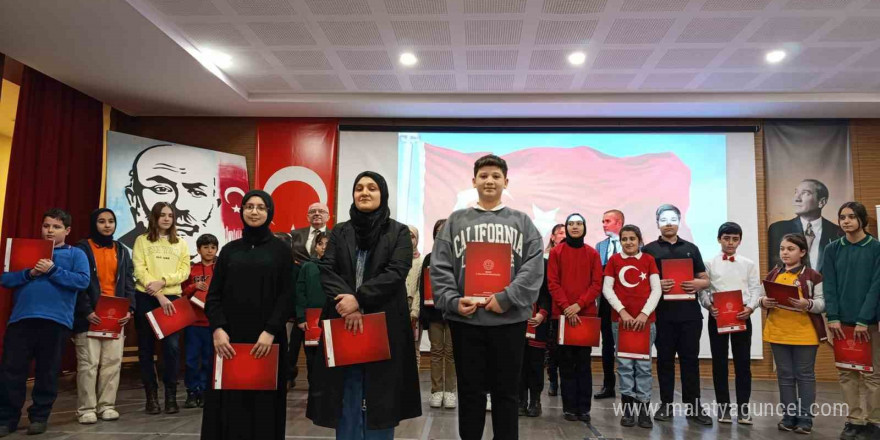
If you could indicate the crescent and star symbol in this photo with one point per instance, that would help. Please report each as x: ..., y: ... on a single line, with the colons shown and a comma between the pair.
x: 622, y: 276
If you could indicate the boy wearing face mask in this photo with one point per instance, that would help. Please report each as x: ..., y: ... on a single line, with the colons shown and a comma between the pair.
x: 679, y: 322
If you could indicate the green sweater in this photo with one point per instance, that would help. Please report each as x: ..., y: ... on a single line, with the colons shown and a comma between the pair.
x: 309, y: 293
x: 851, y: 281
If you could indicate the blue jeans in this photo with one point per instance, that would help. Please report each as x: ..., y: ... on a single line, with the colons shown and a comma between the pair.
x: 353, y: 424
x: 634, y: 375
x: 199, y: 357
x: 796, y: 377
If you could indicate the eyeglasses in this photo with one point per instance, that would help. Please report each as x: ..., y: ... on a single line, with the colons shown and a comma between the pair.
x: 260, y: 208
x: 318, y: 211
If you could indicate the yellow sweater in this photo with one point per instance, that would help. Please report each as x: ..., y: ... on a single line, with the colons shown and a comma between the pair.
x: 788, y: 327
x: 154, y: 261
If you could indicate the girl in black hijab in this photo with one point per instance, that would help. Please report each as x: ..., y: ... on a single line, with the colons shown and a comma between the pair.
x: 249, y: 301
x: 364, y: 271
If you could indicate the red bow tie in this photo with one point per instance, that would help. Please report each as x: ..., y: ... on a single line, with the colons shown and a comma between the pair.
x: 729, y: 258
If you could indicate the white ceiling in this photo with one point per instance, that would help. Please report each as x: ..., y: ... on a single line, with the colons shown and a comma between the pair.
x: 477, y: 58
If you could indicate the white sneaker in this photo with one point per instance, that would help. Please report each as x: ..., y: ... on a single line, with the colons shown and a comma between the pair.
x: 109, y: 415
x: 436, y: 400
x: 488, y: 402
x: 449, y: 401
x: 88, y: 419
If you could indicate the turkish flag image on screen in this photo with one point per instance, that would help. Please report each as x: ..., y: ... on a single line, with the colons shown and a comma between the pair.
x: 23, y: 253
x: 633, y: 344
x: 487, y: 269
x: 313, y: 334
x: 429, y: 291
x: 245, y: 372
x: 110, y: 309
x: 729, y: 304
x: 164, y: 325
x: 852, y: 355
x: 585, y: 334
x: 233, y: 184
x: 548, y: 183
x: 343, y: 347
x: 678, y: 270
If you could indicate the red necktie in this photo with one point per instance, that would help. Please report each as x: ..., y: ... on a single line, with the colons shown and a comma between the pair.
x: 728, y: 258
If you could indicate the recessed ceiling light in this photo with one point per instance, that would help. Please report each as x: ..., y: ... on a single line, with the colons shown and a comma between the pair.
x: 219, y: 59
x: 408, y: 59
x: 775, y: 56
x: 577, y: 58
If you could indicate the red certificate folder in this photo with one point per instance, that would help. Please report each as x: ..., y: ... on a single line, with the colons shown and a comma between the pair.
x: 429, y: 291
x: 585, y: 334
x: 852, y: 355
x: 729, y: 304
x: 678, y: 270
x: 244, y: 372
x: 781, y: 293
x: 23, y: 253
x: 342, y: 347
x: 199, y: 298
x: 164, y: 325
x: 110, y: 309
x: 633, y: 344
x: 313, y: 334
x: 487, y: 269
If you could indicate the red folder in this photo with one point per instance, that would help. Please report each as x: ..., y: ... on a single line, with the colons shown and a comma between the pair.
x: 781, y: 293
x: 852, y: 355
x: 678, y: 270
x: 729, y: 304
x: 110, y: 309
x: 585, y: 334
x: 487, y: 269
x: 244, y: 372
x: 199, y: 298
x: 343, y: 347
x: 429, y: 291
x: 313, y: 334
x: 23, y: 253
x: 164, y: 325
x: 633, y: 344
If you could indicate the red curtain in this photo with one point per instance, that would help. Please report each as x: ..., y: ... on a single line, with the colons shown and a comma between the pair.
x: 56, y: 160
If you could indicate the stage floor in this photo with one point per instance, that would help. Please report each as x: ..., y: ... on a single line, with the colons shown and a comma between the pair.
x: 435, y: 424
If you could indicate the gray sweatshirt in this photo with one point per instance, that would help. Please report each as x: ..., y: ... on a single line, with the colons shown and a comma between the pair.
x: 502, y: 225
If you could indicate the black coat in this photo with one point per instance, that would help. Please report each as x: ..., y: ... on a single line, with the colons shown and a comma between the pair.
x: 427, y: 314
x: 87, y: 299
x: 252, y: 292
x: 391, y: 387
x: 777, y: 230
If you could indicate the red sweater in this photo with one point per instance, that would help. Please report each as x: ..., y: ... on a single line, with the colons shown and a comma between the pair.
x: 198, y: 272
x: 574, y: 275
x: 635, y: 293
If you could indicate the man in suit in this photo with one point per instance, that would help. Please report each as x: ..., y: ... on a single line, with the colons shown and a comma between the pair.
x: 810, y: 197
x: 612, y: 221
x: 304, y: 238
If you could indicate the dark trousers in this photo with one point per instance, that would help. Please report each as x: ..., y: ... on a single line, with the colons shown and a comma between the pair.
x: 608, y: 352
x: 682, y: 338
x: 488, y: 359
x: 577, y: 379
x: 552, y: 358
x: 40, y: 340
x: 147, y: 346
x: 297, y: 337
x: 199, y: 358
x: 741, y: 345
x: 532, y: 380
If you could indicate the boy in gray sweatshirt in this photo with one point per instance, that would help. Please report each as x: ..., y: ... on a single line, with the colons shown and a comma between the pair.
x: 487, y: 340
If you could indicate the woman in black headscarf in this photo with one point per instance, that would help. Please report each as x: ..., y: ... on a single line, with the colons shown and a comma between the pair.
x: 364, y: 271
x: 249, y: 301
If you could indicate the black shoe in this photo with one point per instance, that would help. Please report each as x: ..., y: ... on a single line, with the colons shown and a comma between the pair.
x: 644, y: 415
x: 192, y: 400
x: 664, y: 413
x: 850, y: 431
x: 37, y: 428
x: 629, y: 415
x: 701, y: 419
x: 604, y: 393
x: 570, y: 417
x: 534, y: 409
x: 553, y: 390
x: 152, y: 406
x: 201, y: 399
x: 585, y: 417
x: 868, y: 432
x: 171, y: 401
x: 522, y: 410
x: 786, y: 425
x: 4, y: 431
